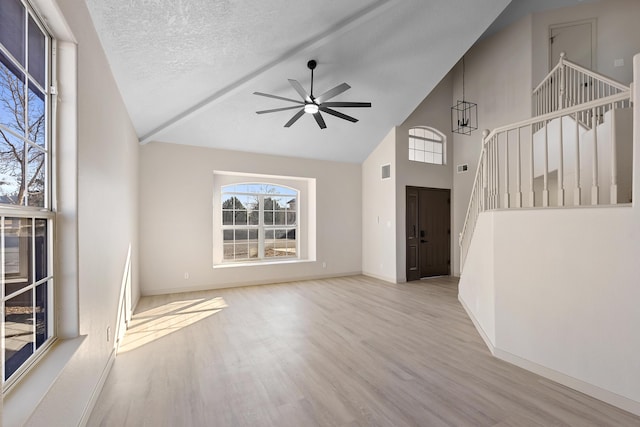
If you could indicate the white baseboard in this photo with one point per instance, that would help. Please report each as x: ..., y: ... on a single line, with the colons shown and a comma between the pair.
x: 483, y: 335
x: 97, y: 390
x: 383, y: 278
x: 209, y: 287
x: 589, y: 389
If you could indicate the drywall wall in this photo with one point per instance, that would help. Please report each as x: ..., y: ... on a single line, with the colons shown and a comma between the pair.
x: 476, y: 287
x: 565, y: 290
x: 617, y: 36
x: 498, y: 79
x: 433, y: 112
x: 106, y: 215
x: 176, y: 218
x: 379, y: 212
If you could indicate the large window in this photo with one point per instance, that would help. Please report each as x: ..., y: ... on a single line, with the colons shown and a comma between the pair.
x: 427, y: 145
x: 259, y: 221
x: 26, y: 217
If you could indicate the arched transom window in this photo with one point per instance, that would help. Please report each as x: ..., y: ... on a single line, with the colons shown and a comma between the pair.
x: 427, y: 145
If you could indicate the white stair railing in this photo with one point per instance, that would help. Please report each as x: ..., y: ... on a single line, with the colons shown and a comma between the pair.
x: 568, y: 84
x: 555, y: 159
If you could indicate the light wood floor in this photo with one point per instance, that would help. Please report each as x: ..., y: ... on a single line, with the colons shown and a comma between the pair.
x: 350, y: 351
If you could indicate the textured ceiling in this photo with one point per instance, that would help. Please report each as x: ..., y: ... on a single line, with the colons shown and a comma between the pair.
x: 187, y: 68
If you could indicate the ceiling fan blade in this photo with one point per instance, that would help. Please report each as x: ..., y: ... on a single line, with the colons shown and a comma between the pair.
x: 332, y: 92
x: 320, y: 120
x: 298, y: 87
x: 294, y: 118
x: 346, y: 104
x: 337, y: 114
x: 278, y: 97
x: 278, y: 109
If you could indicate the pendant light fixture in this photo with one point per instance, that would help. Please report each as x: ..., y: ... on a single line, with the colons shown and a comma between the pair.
x: 464, y: 115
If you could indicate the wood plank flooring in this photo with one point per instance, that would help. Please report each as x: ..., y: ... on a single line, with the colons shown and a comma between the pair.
x: 350, y: 351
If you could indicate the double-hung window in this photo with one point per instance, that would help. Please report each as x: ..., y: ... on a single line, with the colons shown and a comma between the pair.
x: 26, y: 216
x: 259, y: 222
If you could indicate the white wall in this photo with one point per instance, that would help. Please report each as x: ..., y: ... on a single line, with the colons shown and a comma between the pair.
x: 176, y: 218
x: 107, y: 153
x: 565, y: 288
x: 379, y: 212
x: 618, y: 36
x: 498, y: 79
x: 432, y: 112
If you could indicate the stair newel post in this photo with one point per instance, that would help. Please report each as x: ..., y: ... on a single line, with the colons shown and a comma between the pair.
x: 532, y: 194
x: 613, y: 196
x: 518, y: 172
x: 576, y: 191
x: 562, y: 70
x: 485, y: 170
x: 594, y: 180
x: 545, y: 159
x: 506, y: 172
x: 561, y: 164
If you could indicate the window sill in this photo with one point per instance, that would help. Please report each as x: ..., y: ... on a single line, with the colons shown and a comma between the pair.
x: 258, y: 263
x: 23, y: 397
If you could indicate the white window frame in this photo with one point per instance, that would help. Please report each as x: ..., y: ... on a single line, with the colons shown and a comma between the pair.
x: 45, y: 213
x: 261, y: 228
x: 418, y: 151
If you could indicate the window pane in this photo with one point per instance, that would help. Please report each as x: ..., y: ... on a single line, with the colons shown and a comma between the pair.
x: 437, y: 159
x: 437, y: 147
x: 12, y: 105
x: 268, y: 235
x: 280, y: 218
x: 419, y: 144
x: 241, y: 251
x: 18, y: 331
x: 228, y: 251
x: 12, y: 21
x: 36, y: 116
x: 227, y: 217
x: 37, y: 55
x: 227, y: 202
x: 411, y: 144
x: 268, y: 218
x: 36, y: 173
x: 253, y: 217
x: 238, y: 205
x: 241, y: 217
x: 420, y: 156
x: 412, y: 155
x: 291, y: 218
x: 41, y: 243
x: 253, y: 250
x: 11, y: 169
x: 428, y: 146
x: 41, y: 314
x: 227, y: 235
x: 429, y: 157
x: 17, y: 254
x: 253, y: 235
x: 241, y: 235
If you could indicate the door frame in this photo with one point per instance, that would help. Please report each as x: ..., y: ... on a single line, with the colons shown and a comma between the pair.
x: 594, y: 40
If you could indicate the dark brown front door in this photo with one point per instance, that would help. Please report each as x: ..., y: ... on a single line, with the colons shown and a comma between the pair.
x: 428, y: 232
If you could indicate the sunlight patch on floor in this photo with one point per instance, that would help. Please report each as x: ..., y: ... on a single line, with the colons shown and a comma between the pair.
x: 155, y: 323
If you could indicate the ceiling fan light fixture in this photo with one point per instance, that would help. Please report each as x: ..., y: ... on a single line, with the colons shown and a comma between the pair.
x: 311, y: 108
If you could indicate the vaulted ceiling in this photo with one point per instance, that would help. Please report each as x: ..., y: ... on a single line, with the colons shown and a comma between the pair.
x: 187, y: 69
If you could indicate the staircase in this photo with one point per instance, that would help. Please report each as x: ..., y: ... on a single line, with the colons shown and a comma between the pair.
x: 575, y: 151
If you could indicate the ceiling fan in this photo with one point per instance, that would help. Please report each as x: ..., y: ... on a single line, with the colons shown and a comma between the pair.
x: 311, y: 104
